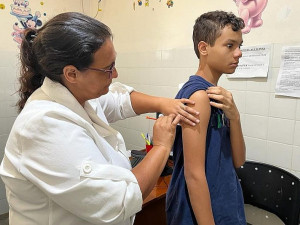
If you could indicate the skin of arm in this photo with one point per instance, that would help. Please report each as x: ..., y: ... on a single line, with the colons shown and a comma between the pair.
x: 226, y: 103
x: 150, y: 168
x: 194, y: 145
x: 143, y: 103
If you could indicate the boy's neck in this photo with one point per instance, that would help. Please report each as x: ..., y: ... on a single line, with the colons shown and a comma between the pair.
x: 209, y: 76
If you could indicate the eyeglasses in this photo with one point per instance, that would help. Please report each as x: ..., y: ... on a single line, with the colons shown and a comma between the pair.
x: 109, y: 71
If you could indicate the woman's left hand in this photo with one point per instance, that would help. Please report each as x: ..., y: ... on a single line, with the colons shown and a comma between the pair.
x: 178, y: 107
x: 224, y: 100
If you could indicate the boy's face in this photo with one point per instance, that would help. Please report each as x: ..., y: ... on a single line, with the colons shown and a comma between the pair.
x: 224, y: 56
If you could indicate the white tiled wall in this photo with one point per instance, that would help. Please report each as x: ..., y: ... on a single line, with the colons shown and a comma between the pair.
x: 8, y: 112
x: 271, y: 123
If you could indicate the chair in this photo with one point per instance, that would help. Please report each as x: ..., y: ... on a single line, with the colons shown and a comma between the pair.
x: 272, y: 189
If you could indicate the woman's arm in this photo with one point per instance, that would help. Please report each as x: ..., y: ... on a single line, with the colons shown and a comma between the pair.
x: 142, y: 103
x: 226, y: 103
x: 123, y: 102
x: 194, y: 145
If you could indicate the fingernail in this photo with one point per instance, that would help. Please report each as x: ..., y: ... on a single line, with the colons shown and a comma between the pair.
x: 197, y: 121
x: 194, y: 124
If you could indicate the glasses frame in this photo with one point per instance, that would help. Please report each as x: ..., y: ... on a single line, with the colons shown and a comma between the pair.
x: 109, y: 71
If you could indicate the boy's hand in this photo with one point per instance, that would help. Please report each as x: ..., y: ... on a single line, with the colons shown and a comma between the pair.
x: 224, y: 101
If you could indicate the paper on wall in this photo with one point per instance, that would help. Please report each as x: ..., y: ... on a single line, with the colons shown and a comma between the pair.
x: 254, y: 62
x: 288, y: 81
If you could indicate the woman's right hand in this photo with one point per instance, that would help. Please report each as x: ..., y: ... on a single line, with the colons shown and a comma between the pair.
x: 164, y: 131
x: 150, y: 168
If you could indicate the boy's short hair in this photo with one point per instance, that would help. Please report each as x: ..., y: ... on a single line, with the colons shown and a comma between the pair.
x: 209, y: 25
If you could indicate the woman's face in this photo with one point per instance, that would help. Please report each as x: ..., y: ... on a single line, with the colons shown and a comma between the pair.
x: 93, y: 83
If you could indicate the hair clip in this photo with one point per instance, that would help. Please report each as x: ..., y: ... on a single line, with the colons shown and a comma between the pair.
x: 33, y: 36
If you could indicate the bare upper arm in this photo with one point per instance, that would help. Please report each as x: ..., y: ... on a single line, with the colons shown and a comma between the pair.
x: 194, y: 138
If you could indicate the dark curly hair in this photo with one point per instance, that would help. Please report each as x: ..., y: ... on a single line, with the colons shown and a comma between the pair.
x: 67, y: 39
x: 209, y: 25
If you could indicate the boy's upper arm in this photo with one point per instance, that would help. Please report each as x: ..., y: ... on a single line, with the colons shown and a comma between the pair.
x: 194, y: 138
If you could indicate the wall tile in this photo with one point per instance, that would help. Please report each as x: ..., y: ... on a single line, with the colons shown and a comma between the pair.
x: 298, y: 110
x: 132, y: 137
x: 240, y: 100
x: 259, y: 84
x: 163, y: 91
x: 173, y: 76
x: 8, y: 109
x: 9, y: 58
x: 256, y: 126
x: 3, y: 140
x: 297, y: 134
x: 6, y: 125
x: 139, y: 59
x: 277, y: 52
x: 282, y: 107
x: 222, y: 81
x: 273, y: 79
x: 296, y: 159
x: 138, y: 123
x: 281, y: 130
x: 257, y: 103
x: 129, y: 75
x: 256, y: 149
x: 279, y: 154
x: 235, y: 84
x: 179, y: 58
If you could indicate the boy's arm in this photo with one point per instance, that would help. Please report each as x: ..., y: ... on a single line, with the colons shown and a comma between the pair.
x: 194, y: 144
x: 226, y: 103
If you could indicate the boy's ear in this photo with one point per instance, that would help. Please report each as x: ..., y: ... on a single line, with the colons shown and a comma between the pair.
x: 70, y: 73
x: 202, y: 48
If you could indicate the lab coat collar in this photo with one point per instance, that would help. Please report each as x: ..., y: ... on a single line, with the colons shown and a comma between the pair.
x: 54, y: 91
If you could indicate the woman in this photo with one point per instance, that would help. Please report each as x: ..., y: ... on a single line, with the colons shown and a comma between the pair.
x: 63, y: 163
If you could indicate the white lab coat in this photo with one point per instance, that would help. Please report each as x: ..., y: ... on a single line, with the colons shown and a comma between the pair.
x: 64, y: 165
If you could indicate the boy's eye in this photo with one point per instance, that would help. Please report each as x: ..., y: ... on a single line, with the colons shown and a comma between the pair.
x: 229, y: 45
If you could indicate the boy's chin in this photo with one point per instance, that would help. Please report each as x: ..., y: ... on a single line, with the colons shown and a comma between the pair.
x: 230, y: 72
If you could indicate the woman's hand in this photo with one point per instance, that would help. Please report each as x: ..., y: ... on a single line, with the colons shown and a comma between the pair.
x: 164, y: 131
x: 150, y: 168
x: 224, y: 101
x: 178, y: 107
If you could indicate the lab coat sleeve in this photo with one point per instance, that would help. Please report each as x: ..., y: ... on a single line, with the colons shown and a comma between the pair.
x: 60, y: 157
x: 116, y: 104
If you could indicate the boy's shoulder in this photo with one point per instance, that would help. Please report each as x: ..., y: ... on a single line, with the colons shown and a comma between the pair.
x: 195, y: 83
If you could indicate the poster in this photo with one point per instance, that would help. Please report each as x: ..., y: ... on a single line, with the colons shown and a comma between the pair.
x: 288, y: 81
x: 254, y: 62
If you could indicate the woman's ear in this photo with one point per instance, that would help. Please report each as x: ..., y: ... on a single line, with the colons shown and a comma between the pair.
x: 202, y: 48
x: 70, y: 73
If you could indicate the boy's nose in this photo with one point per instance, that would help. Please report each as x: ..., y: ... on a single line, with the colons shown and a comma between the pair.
x: 238, y: 53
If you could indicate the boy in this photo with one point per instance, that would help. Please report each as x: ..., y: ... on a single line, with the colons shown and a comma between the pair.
x: 204, y: 188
